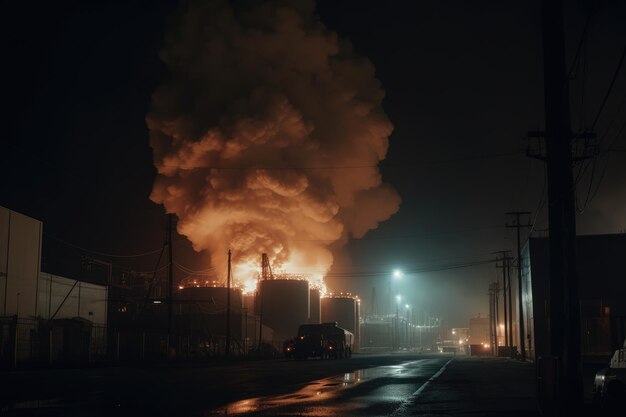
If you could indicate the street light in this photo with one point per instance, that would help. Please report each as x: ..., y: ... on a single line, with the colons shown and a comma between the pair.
x: 396, y: 275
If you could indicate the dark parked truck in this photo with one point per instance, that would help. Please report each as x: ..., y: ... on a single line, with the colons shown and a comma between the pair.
x: 326, y: 340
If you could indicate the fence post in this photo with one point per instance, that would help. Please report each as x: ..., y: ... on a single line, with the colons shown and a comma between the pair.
x: 143, y: 347
x: 49, y: 343
x: 117, y: 347
x: 14, y: 364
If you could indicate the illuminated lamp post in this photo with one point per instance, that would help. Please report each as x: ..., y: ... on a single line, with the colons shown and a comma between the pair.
x: 396, y: 276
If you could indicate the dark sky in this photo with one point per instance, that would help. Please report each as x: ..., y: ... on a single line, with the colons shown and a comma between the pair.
x: 463, y: 86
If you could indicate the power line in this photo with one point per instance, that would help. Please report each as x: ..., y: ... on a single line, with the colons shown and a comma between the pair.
x: 194, y: 272
x: 414, y: 270
x: 608, y: 92
x: 382, y: 164
x: 451, y: 232
x: 583, y: 169
x: 606, y: 165
x: 108, y: 255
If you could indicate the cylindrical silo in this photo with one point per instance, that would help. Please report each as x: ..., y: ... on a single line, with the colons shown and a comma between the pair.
x: 315, y: 316
x: 284, y: 306
x: 343, y: 310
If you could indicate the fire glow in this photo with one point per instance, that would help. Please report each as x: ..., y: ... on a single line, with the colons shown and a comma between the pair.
x: 277, y: 151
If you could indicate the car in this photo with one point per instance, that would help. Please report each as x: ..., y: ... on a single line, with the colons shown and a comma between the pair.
x: 609, y: 391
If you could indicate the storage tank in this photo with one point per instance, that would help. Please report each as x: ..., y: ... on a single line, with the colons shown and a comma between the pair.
x: 343, y: 309
x: 315, y: 309
x: 283, y: 305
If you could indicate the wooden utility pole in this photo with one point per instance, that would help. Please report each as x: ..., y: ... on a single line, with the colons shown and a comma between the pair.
x: 564, y: 298
x: 510, y: 300
x: 505, y: 294
x: 517, y: 225
x: 493, y: 327
x: 170, y: 279
x: 227, y: 352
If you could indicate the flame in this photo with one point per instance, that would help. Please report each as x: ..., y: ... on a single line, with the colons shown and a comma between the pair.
x: 246, y: 276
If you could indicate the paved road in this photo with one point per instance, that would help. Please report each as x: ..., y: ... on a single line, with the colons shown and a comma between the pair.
x: 371, y: 384
x: 375, y: 391
x: 367, y: 385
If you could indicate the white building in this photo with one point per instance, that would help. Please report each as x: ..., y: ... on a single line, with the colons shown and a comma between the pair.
x: 26, y: 291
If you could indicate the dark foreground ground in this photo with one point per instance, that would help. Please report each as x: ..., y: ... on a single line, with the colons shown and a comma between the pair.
x: 366, y: 385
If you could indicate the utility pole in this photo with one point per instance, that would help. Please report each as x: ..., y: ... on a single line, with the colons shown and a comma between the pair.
x: 491, y: 316
x: 506, y: 296
x: 170, y: 279
x: 497, y: 312
x: 227, y: 352
x: 564, y: 298
x: 510, y: 290
x: 517, y: 225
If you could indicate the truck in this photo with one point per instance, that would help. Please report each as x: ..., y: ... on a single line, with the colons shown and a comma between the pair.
x: 326, y: 340
x: 609, y: 391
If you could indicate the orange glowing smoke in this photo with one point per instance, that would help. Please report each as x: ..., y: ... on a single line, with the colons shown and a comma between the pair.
x: 267, y: 137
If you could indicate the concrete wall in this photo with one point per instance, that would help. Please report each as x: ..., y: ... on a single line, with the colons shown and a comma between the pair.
x: 20, y: 258
x: 71, y: 298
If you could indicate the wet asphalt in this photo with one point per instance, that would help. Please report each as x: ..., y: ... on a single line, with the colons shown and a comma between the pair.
x: 401, y: 384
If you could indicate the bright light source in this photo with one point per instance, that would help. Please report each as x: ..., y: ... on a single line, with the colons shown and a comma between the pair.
x: 156, y: 302
x: 453, y: 331
x: 398, y: 298
x: 397, y: 274
x: 407, y: 306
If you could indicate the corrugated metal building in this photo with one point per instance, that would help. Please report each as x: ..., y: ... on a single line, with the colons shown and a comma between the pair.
x: 601, y: 269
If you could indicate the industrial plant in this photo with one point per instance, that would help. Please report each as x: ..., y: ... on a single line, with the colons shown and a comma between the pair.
x: 104, y: 314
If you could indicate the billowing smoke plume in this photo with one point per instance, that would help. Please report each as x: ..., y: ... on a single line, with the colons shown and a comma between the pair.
x: 268, y: 135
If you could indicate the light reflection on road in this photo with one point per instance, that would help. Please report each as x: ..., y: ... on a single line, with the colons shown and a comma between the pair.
x: 353, y: 392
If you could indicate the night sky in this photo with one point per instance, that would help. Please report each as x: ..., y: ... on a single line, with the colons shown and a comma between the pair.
x: 463, y: 86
